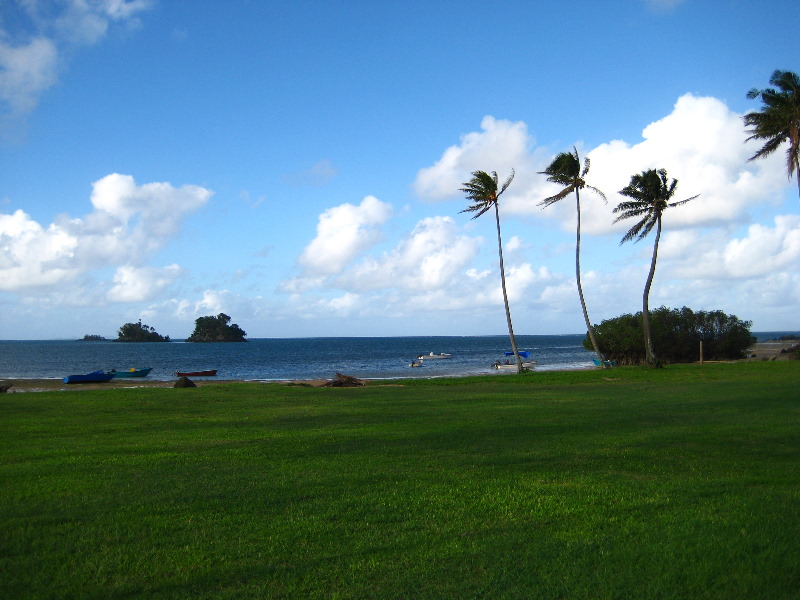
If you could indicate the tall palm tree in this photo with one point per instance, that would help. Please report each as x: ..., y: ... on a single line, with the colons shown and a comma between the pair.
x: 778, y: 120
x: 482, y: 191
x: 566, y: 170
x: 650, y: 194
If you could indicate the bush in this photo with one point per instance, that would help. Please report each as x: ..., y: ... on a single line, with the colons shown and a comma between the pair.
x: 677, y: 334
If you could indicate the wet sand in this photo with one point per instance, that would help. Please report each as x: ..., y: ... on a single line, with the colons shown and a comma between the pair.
x: 766, y: 350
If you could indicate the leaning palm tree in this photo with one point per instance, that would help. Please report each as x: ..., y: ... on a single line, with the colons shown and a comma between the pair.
x: 651, y: 193
x: 566, y: 170
x: 778, y: 120
x: 482, y: 191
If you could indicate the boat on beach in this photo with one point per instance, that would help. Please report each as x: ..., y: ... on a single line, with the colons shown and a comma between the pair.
x: 208, y: 373
x: 93, y: 377
x: 143, y: 372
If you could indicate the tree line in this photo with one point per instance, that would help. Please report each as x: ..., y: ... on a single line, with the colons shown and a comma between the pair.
x: 648, y: 195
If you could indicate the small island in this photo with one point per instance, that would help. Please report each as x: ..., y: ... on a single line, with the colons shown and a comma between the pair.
x: 136, y: 332
x: 216, y: 329
x: 92, y: 338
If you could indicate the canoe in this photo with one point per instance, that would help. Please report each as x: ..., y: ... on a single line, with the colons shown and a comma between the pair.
x: 209, y: 373
x: 131, y: 373
x: 94, y: 377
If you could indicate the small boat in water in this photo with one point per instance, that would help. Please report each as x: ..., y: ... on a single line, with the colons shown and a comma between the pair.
x: 432, y: 356
x: 93, y: 377
x: 510, y: 364
x: 131, y: 373
x: 209, y: 373
x: 415, y: 363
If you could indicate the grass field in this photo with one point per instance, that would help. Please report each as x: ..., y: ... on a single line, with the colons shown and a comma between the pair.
x: 682, y: 482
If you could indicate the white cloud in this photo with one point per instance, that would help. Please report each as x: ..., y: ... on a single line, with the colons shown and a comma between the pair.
x: 29, y: 65
x: 343, y: 233
x: 129, y: 224
x: 701, y: 143
x: 139, y: 284
x: 25, y: 72
x: 500, y: 146
x: 429, y: 258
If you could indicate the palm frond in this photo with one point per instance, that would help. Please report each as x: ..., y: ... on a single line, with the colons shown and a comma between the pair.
x: 680, y: 202
x: 559, y: 196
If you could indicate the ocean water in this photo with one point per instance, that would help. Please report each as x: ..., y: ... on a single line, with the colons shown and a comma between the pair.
x: 295, y: 358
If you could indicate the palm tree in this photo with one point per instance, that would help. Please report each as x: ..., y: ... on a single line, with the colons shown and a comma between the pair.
x: 778, y: 120
x: 566, y: 170
x: 482, y: 191
x: 650, y: 192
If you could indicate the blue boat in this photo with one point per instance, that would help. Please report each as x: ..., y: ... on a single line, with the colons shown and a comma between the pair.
x: 93, y: 377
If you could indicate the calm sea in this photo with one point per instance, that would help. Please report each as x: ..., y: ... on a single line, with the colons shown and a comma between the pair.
x: 293, y: 358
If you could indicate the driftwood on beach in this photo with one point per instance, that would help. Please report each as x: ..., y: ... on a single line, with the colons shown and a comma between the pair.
x: 343, y: 381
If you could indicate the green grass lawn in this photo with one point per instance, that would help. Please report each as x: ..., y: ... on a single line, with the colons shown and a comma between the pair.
x: 682, y: 482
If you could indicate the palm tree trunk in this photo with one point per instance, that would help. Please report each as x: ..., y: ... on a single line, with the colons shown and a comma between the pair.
x: 505, y: 294
x: 589, y: 327
x: 648, y: 339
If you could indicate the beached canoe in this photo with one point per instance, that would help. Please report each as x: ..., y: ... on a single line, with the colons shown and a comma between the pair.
x: 209, y: 373
x: 131, y: 373
x: 93, y: 377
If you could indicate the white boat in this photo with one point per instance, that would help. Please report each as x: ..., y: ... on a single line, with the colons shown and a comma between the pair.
x: 513, y: 366
x: 510, y: 363
x: 432, y: 356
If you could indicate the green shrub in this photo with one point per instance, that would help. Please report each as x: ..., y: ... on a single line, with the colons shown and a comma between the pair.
x: 677, y: 334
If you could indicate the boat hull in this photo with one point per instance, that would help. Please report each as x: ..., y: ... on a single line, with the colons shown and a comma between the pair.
x: 209, y: 373
x: 95, y: 377
x: 131, y: 373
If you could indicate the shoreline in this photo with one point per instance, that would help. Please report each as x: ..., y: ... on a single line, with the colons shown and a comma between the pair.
x: 761, y: 351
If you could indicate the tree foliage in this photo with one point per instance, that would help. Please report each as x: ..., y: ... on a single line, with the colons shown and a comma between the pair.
x: 216, y: 329
x: 677, y: 334
x: 778, y: 120
x: 136, y: 332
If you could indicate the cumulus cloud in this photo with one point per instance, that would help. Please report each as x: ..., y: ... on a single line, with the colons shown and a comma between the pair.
x: 31, y: 58
x: 139, y: 284
x: 343, y: 233
x: 128, y: 225
x: 500, y: 146
x: 430, y: 257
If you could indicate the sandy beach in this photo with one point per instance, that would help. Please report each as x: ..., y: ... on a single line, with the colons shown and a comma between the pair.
x: 765, y: 350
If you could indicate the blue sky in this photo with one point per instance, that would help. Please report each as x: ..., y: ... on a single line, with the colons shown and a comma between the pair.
x: 297, y: 165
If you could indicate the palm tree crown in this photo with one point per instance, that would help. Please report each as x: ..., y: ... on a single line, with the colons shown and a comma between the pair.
x: 778, y: 120
x: 482, y: 191
x: 650, y: 192
x: 566, y: 170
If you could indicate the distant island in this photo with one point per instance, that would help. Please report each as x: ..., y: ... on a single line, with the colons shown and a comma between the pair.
x: 92, y: 338
x: 216, y: 329
x: 136, y: 332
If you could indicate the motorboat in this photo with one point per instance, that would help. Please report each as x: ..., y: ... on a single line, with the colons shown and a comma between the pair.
x: 432, y: 356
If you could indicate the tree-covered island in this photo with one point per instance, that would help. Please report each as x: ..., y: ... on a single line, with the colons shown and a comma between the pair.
x: 136, y: 332
x: 216, y: 329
